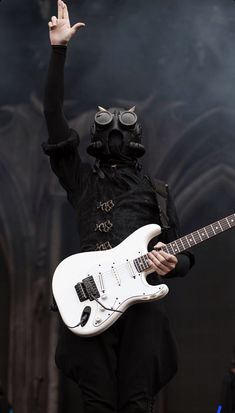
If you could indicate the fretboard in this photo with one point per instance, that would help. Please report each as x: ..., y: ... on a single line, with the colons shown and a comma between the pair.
x: 187, y: 241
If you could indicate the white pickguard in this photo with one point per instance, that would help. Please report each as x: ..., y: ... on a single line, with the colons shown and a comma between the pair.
x: 118, y: 281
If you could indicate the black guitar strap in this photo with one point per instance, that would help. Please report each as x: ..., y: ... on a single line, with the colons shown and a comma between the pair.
x: 161, y: 194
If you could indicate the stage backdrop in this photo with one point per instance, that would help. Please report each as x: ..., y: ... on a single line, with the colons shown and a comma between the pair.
x: 176, y: 62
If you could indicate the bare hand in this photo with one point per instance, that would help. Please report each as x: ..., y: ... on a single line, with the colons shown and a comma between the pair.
x: 60, y: 30
x: 160, y: 261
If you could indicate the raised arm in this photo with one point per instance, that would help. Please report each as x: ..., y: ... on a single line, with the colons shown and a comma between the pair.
x: 63, y: 141
x: 60, y: 33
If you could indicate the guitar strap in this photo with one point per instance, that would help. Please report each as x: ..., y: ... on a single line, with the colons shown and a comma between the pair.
x: 161, y: 194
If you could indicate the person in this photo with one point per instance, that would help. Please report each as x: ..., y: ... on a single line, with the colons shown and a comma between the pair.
x: 123, y: 368
x: 228, y: 389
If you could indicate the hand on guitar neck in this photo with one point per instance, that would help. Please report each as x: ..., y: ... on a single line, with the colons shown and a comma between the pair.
x: 161, y: 261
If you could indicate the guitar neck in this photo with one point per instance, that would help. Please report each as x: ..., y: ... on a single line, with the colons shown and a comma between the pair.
x: 187, y: 241
x: 183, y: 243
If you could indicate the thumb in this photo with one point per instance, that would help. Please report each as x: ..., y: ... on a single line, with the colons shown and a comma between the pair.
x: 76, y: 27
x: 159, y: 245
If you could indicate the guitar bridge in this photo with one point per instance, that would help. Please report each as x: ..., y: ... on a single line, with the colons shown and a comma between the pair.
x: 87, y: 289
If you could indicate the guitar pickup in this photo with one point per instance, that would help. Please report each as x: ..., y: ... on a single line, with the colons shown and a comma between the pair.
x: 81, y: 292
x: 87, y: 290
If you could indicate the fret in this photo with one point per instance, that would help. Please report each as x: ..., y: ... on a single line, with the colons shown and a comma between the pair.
x: 231, y: 220
x: 216, y: 227
x: 228, y: 222
x: 175, y: 247
x: 141, y: 266
x: 190, y: 241
x: 209, y: 232
x: 186, y: 242
x: 203, y: 234
x: 213, y: 230
x: 178, y: 244
x: 166, y: 249
x: 220, y: 225
x: 195, y: 242
x: 141, y: 263
x: 136, y: 264
x: 197, y: 237
x: 206, y: 232
x: 180, y: 240
x: 169, y: 249
x: 225, y: 224
x: 145, y: 259
x: 145, y: 262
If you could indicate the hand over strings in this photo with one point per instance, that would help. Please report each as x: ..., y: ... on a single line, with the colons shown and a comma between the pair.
x: 161, y: 261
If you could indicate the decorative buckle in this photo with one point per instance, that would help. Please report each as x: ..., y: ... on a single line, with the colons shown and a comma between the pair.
x: 104, y: 226
x: 106, y: 206
x: 105, y: 246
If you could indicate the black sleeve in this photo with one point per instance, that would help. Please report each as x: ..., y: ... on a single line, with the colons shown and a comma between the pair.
x: 185, y: 259
x: 57, y: 124
x: 62, y: 144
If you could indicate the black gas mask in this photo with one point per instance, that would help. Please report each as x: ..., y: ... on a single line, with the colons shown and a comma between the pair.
x: 116, y: 135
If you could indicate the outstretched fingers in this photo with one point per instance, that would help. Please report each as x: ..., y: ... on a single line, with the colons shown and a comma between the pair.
x: 65, y: 15
x: 60, y: 9
x: 77, y: 26
x: 53, y: 22
x: 61, y: 25
x: 65, y: 11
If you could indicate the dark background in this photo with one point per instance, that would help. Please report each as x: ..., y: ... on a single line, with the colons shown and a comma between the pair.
x: 176, y: 61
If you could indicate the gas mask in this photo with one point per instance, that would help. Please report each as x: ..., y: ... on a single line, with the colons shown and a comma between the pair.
x: 116, y: 135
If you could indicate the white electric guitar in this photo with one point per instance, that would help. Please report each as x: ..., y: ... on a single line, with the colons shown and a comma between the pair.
x: 93, y: 289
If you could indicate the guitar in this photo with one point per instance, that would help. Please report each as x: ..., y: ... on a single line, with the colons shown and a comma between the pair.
x: 93, y: 289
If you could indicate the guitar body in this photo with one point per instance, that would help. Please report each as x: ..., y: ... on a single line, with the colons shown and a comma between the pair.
x: 110, y: 277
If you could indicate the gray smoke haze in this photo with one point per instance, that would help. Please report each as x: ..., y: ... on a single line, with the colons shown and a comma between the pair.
x: 181, y: 50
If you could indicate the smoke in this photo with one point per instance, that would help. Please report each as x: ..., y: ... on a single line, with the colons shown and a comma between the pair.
x: 178, y: 51
x: 181, y: 51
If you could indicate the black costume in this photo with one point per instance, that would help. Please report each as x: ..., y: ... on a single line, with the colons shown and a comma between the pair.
x: 131, y: 361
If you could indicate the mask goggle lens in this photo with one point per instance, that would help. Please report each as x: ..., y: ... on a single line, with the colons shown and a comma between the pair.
x: 103, y: 118
x: 128, y: 119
